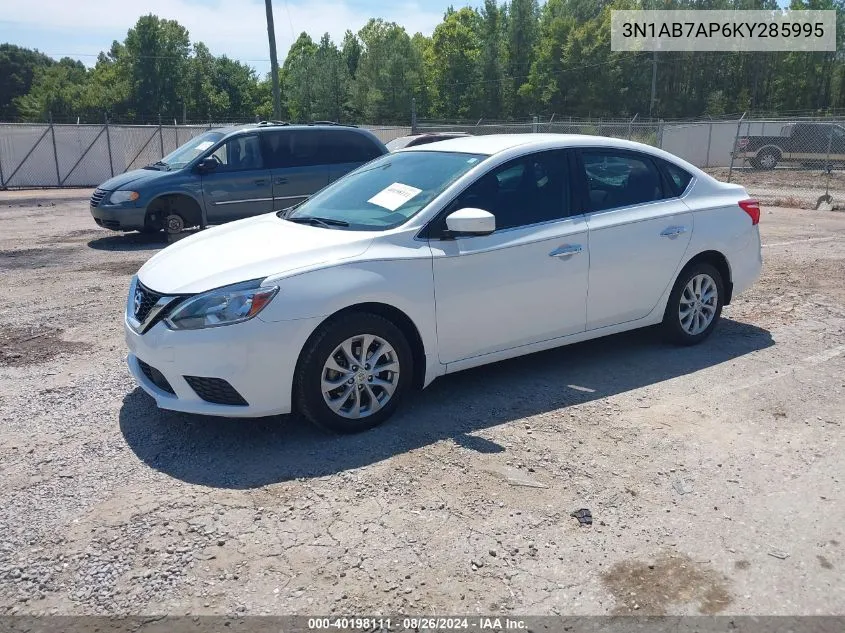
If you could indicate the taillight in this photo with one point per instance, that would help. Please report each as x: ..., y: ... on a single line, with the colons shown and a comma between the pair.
x: 752, y: 208
x: 743, y: 142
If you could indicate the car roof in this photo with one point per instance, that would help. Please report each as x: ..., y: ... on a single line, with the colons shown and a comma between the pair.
x: 491, y: 144
x: 273, y: 125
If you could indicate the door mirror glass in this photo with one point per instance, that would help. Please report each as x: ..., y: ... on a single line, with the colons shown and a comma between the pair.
x: 470, y: 221
x: 209, y: 163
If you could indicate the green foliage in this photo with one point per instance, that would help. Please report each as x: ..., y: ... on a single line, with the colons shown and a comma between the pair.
x: 512, y: 60
x: 18, y: 67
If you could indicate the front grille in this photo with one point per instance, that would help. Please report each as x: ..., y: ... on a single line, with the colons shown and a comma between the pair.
x: 155, y: 377
x: 97, y: 197
x: 215, y: 390
x: 148, y: 299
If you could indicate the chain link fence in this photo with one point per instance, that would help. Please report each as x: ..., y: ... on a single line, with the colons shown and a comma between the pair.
x: 784, y: 162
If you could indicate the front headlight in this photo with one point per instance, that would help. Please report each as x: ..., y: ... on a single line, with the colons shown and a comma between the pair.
x: 224, y: 306
x: 119, y: 197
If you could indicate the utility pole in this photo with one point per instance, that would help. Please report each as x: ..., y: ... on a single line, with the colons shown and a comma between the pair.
x: 274, y: 62
x: 653, y: 82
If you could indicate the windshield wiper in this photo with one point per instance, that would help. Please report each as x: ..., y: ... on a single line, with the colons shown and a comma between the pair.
x: 284, y: 213
x: 158, y: 163
x: 324, y: 222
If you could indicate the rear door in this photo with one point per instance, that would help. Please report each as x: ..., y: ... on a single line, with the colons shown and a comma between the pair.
x: 348, y: 150
x: 297, y: 159
x: 639, y: 231
x: 240, y: 186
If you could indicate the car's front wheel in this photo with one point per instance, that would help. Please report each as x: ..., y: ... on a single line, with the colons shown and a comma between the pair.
x: 695, y: 305
x: 353, y: 372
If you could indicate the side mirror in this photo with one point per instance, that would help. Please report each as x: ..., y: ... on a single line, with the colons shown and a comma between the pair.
x: 470, y: 222
x: 209, y: 163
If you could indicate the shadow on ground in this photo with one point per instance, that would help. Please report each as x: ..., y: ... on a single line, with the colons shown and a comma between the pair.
x: 238, y: 453
x: 135, y: 241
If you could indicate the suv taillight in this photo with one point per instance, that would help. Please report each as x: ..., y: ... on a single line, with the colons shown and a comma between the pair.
x: 741, y: 143
x: 752, y: 208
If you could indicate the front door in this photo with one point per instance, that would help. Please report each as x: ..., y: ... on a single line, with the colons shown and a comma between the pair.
x: 240, y: 185
x: 639, y: 231
x: 526, y: 282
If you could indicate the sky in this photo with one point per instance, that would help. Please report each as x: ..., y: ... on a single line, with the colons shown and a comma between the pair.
x: 237, y: 28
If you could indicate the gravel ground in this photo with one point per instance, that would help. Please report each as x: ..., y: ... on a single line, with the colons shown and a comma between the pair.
x: 713, y: 474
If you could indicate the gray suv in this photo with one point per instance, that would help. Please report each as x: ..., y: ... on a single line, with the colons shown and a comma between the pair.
x: 232, y: 173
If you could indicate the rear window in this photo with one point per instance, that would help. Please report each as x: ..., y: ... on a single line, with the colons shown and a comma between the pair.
x: 679, y: 178
x: 345, y: 146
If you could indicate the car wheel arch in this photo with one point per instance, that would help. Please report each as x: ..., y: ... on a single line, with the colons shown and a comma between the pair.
x: 393, y: 314
x: 719, y: 262
x: 183, y: 203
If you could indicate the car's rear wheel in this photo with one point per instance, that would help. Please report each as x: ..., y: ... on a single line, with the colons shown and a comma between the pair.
x: 353, y: 373
x: 695, y: 305
x: 768, y: 159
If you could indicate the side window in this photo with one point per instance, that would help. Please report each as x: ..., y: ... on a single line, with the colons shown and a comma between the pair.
x: 620, y: 179
x: 524, y: 191
x: 678, y: 178
x: 239, y: 153
x: 305, y: 148
x: 293, y: 148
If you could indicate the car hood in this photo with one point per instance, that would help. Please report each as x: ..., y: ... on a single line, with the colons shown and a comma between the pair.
x: 247, y: 249
x: 134, y: 177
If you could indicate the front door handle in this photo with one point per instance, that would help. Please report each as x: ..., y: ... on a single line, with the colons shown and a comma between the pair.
x: 280, y: 181
x: 566, y: 250
x: 260, y: 182
x: 673, y: 231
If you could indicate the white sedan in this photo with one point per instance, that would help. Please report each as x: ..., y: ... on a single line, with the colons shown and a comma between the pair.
x: 432, y: 260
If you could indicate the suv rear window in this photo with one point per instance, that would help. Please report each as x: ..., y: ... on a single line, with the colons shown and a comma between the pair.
x: 345, y: 146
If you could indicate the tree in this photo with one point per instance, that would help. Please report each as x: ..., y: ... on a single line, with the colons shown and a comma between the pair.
x: 388, y: 73
x: 453, y: 64
x: 521, y: 39
x: 157, y: 53
x: 491, y: 76
x: 350, y: 49
x: 18, y: 67
x: 56, y: 90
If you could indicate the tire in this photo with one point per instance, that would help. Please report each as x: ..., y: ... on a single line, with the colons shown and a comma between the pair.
x: 768, y: 159
x: 326, y: 348
x: 690, y: 330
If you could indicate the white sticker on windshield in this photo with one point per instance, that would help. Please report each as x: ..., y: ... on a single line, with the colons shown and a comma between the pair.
x: 394, y: 196
x: 204, y: 145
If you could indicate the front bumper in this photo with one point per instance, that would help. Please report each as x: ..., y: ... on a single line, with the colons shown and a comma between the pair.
x: 258, y: 359
x: 119, y: 218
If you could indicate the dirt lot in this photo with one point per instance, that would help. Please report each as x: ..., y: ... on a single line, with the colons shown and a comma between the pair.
x: 713, y: 474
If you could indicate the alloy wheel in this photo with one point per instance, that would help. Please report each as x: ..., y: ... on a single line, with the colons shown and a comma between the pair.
x: 698, y: 303
x: 360, y: 376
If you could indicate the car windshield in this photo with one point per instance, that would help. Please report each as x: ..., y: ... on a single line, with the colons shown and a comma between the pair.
x: 190, y: 150
x: 387, y: 191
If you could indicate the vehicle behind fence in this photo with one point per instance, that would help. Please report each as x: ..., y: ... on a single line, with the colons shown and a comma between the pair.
x: 786, y: 162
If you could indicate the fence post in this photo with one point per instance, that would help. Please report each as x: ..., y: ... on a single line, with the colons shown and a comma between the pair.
x: 599, y: 128
x: 108, y: 144
x: 2, y: 182
x: 660, y: 133
x: 55, y: 152
x: 535, y: 124
x: 709, y: 139
x: 160, y: 136
x: 413, y: 115
x: 631, y: 125
x: 733, y: 150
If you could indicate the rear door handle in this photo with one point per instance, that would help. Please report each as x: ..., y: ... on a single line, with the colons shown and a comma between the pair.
x: 673, y: 231
x: 566, y: 250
